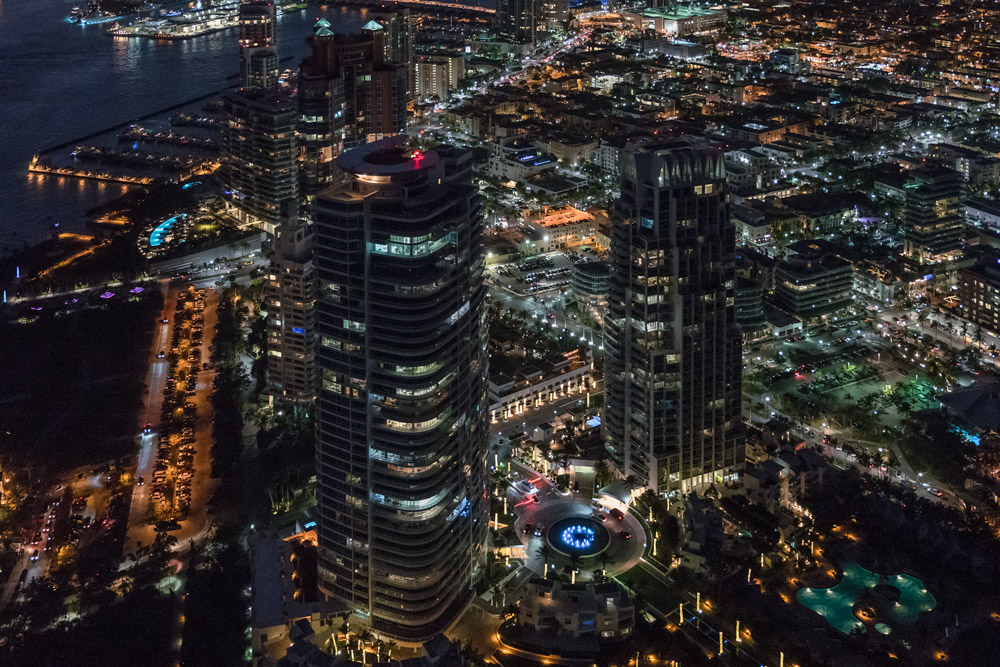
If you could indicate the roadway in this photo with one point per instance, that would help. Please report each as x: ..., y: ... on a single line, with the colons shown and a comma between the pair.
x: 156, y: 377
x: 197, y: 524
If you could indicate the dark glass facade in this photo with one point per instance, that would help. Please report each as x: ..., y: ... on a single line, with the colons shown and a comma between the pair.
x: 259, y: 168
x: 673, y: 368
x: 401, y: 409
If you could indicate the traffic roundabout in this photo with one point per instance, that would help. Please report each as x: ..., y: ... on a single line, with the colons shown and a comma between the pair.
x: 578, y: 536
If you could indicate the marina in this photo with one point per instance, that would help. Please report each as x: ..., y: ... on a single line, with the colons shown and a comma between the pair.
x: 186, y: 24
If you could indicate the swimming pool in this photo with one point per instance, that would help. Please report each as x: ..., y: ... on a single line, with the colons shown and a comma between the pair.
x: 159, y: 232
x: 836, y: 604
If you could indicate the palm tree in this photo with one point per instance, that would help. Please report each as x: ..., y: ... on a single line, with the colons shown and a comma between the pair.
x: 632, y: 482
x: 545, y: 551
x: 977, y: 336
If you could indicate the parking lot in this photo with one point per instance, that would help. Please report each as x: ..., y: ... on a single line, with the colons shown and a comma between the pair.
x: 540, y: 274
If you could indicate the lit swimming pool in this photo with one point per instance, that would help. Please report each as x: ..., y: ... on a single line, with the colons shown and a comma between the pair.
x: 159, y: 232
x: 837, y: 603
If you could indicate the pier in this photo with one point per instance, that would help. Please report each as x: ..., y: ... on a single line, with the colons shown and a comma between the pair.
x: 37, y: 167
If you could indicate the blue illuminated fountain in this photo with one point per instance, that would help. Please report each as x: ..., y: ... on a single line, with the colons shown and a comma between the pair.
x: 578, y: 536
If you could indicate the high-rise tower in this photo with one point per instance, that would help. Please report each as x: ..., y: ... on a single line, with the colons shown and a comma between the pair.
x: 290, y: 302
x: 374, y: 90
x: 258, y: 44
x: 321, y: 109
x: 397, y: 25
x: 672, y: 371
x: 259, y: 168
x: 402, y: 405
x: 515, y: 21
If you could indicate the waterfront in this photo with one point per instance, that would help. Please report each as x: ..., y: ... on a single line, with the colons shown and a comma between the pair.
x: 64, y: 80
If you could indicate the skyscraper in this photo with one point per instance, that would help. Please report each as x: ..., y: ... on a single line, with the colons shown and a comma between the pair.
x: 515, y: 21
x: 374, y: 90
x: 321, y: 109
x: 258, y: 44
x: 397, y: 25
x: 672, y: 370
x: 932, y: 214
x: 260, y: 149
x: 402, y: 405
x: 289, y: 301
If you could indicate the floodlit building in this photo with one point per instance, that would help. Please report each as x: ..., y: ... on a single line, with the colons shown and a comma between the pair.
x: 677, y: 20
x: 402, y: 405
x: 673, y: 368
x: 438, y: 74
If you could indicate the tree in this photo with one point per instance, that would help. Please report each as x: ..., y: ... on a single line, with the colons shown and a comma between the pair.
x: 545, y: 552
x: 602, y: 473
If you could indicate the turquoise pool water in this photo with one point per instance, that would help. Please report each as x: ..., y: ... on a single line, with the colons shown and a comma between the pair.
x: 835, y: 604
x: 160, y: 231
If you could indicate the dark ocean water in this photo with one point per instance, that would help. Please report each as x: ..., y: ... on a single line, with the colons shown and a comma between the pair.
x: 60, y: 81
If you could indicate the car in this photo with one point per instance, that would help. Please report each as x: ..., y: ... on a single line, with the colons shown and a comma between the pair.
x: 596, y: 504
x: 624, y: 534
x: 535, y: 499
x: 34, y: 555
x: 148, y: 428
x: 37, y: 538
x: 161, y: 354
x: 538, y: 530
x: 165, y: 526
x: 529, y: 528
x: 601, y: 516
x: 140, y: 481
x: 617, y: 514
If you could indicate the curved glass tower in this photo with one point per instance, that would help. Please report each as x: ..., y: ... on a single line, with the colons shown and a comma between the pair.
x: 402, y: 423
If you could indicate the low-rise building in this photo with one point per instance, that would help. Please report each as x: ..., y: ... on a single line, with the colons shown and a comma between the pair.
x: 677, y: 20
x: 979, y: 292
x: 604, y: 611
x: 533, y: 386
x: 982, y: 213
x: 810, y: 285
x: 518, y: 159
x: 563, y: 227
